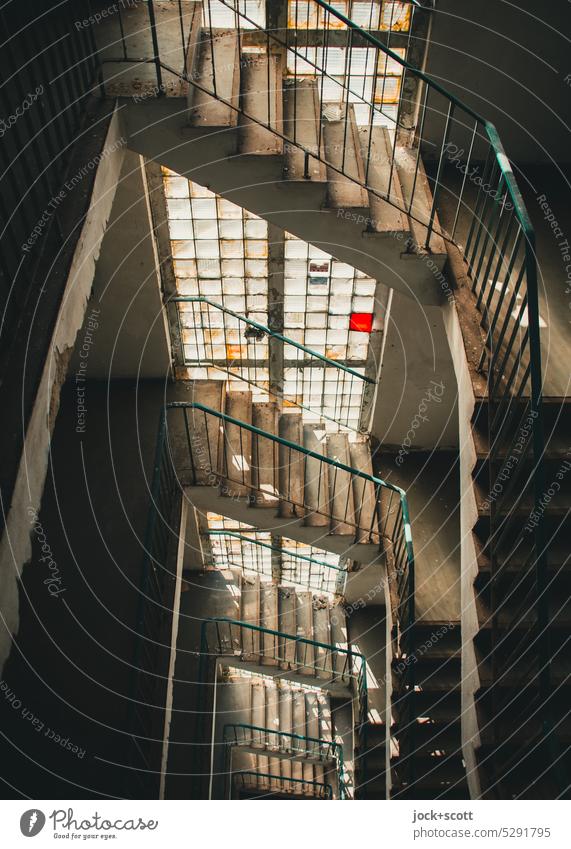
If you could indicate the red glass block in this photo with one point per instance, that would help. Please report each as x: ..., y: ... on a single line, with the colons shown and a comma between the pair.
x: 361, y: 321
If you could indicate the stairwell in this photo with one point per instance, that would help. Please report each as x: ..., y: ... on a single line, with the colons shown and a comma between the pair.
x: 233, y: 115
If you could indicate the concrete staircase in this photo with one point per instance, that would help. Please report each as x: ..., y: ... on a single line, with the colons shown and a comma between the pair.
x: 283, y: 713
x: 255, y: 480
x: 518, y: 756
x: 240, y: 126
x: 291, y: 611
x: 280, y: 764
x: 427, y: 713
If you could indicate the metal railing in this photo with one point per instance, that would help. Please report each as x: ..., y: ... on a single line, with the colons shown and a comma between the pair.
x: 300, y: 747
x: 219, y: 338
x: 267, y: 784
x: 329, y: 667
x: 307, y: 571
x: 210, y: 447
x: 435, y: 140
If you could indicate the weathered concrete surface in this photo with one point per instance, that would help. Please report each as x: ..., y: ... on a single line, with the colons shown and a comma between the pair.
x: 15, y: 547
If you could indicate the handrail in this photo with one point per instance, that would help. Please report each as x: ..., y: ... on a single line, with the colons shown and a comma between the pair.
x: 327, y: 750
x: 328, y: 790
x: 403, y: 545
x: 274, y: 334
x: 276, y: 732
x: 349, y: 386
x: 275, y: 548
x: 333, y: 649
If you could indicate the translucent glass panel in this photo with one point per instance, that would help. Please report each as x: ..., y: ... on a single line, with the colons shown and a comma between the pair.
x: 298, y: 571
x: 364, y: 77
x: 375, y: 15
x: 228, y: 551
x: 250, y: 14
x: 320, y: 293
x: 220, y: 252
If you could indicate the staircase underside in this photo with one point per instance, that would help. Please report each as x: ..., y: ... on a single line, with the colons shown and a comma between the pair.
x: 158, y: 130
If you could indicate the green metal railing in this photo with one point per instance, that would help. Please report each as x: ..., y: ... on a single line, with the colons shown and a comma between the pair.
x: 152, y: 641
x: 212, y: 329
x: 330, y: 667
x: 206, y: 441
x: 268, y: 741
x: 477, y: 206
x: 253, y: 781
x: 317, y: 574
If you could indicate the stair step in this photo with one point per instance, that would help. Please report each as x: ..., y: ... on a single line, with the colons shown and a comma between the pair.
x: 206, y: 442
x: 273, y: 717
x: 405, y: 161
x: 364, y: 494
x: 341, y: 500
x: 287, y: 625
x: 262, y: 100
x: 322, y: 634
x: 286, y: 725
x: 339, y: 638
x: 269, y: 618
x: 258, y: 712
x: 305, y: 653
x: 299, y: 727
x: 291, y: 471
x: 250, y: 613
x: 302, y: 115
x: 218, y: 65
x: 265, y: 455
x: 345, y: 164
x: 238, y: 446
x: 312, y: 726
x: 376, y: 149
x: 316, y: 491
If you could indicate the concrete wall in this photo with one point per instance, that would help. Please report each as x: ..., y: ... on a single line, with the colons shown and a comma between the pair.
x: 509, y: 62
x: 70, y: 663
x: 15, y: 546
x: 131, y: 338
x: 416, y: 399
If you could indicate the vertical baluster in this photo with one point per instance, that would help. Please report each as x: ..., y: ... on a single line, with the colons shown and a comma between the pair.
x: 156, y: 53
x: 436, y: 190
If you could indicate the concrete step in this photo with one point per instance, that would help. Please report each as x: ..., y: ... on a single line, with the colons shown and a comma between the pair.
x: 322, y: 634
x: 302, y: 115
x: 129, y: 27
x: 265, y: 456
x: 341, y: 498
x: 250, y: 613
x: 237, y: 447
x: 418, y: 191
x: 343, y: 154
x: 269, y: 618
x: 376, y: 150
x: 218, y: 75
x: 262, y: 100
x: 305, y: 653
x: 291, y: 468
x: 364, y: 494
x: 287, y: 624
x: 316, y: 491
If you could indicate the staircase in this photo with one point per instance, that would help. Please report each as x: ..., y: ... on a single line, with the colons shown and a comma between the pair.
x: 427, y: 713
x: 244, y: 460
x: 524, y: 631
x: 224, y: 107
x: 287, y: 747
x: 233, y: 117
